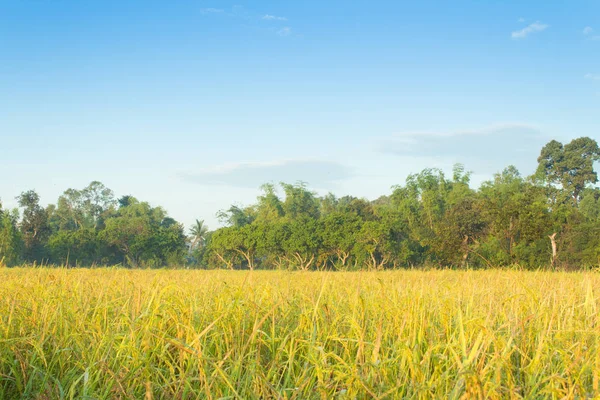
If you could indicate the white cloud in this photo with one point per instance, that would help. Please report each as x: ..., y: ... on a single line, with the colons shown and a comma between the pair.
x: 239, y: 12
x: 211, y: 10
x: 521, y: 19
x: 532, y: 28
x: 594, y: 77
x: 274, y: 18
x: 485, y: 149
x: 286, y: 31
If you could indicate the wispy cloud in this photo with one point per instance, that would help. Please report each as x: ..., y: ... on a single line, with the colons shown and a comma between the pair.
x: 485, y: 149
x: 532, y: 28
x: 521, y: 19
x: 274, y: 18
x: 252, y: 19
x: 318, y: 173
x: 593, y: 77
x: 285, y: 31
x: 211, y: 10
x: 486, y: 130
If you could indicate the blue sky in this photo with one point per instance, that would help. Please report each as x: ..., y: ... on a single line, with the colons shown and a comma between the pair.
x: 193, y: 104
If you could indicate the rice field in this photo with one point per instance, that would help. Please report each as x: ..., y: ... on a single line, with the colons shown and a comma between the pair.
x: 177, y: 334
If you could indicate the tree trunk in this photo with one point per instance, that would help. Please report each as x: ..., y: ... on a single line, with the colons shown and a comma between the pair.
x: 554, y: 251
x: 373, y: 264
x: 229, y: 264
x: 465, y: 246
x: 510, y: 239
x: 278, y: 262
x: 343, y: 257
x: 381, y: 265
x: 249, y: 258
x: 304, y: 263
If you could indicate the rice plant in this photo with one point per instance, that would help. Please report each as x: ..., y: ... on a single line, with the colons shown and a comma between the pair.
x: 160, y: 334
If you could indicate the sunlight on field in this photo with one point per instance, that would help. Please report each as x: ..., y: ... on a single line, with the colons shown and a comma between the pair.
x: 233, y: 334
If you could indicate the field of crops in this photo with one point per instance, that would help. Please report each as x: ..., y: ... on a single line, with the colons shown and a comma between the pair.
x: 291, y: 335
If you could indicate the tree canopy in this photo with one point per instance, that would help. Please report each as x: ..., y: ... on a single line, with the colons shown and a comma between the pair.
x: 549, y: 219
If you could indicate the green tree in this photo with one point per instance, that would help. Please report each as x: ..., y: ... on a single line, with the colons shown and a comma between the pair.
x: 303, y: 244
x: 145, y: 235
x: 269, y: 207
x: 241, y: 240
x: 421, y: 206
x: 236, y: 216
x: 223, y: 248
x: 339, y: 230
x: 80, y: 247
x: 86, y: 208
x: 299, y: 202
x: 458, y: 232
x: 11, y: 244
x: 198, y: 232
x: 98, y: 201
x: 34, y: 226
x: 373, y: 245
x: 571, y: 165
x: 270, y: 243
x: 518, y: 218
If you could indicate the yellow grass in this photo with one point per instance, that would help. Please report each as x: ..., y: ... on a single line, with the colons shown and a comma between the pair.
x: 292, y: 335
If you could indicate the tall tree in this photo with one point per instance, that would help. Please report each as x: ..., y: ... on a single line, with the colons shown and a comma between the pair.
x: 145, y: 235
x: 299, y: 202
x: 198, y: 231
x: 269, y: 207
x: 10, y: 238
x: 236, y: 216
x: 303, y: 244
x: 339, y: 231
x: 86, y: 208
x: 222, y: 249
x: 571, y: 165
x: 34, y: 226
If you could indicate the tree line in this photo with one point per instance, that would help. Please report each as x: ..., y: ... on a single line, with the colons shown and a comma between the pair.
x: 90, y: 227
x: 549, y: 219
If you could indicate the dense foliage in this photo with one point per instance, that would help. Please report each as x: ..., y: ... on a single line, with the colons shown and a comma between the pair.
x: 89, y: 227
x: 549, y: 219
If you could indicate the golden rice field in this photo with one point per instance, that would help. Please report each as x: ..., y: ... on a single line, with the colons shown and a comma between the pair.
x: 133, y: 334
